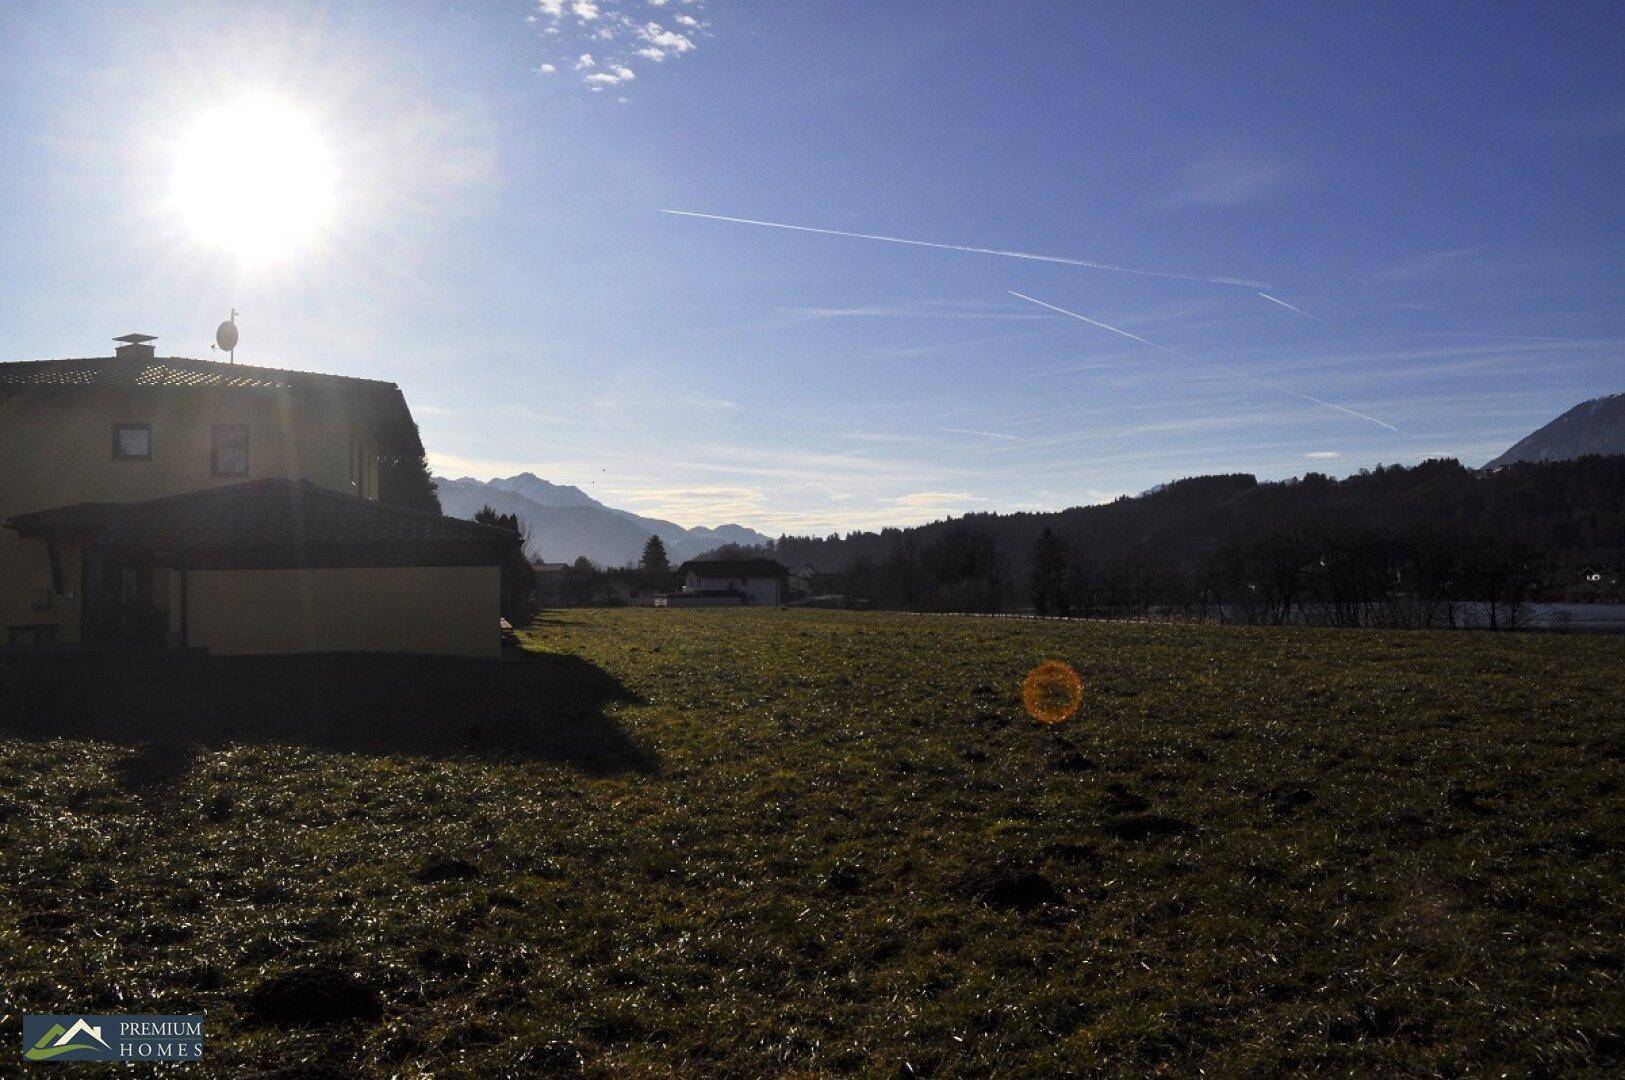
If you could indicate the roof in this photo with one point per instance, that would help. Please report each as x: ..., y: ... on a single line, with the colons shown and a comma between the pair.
x: 381, y: 401
x: 272, y: 522
x: 733, y: 568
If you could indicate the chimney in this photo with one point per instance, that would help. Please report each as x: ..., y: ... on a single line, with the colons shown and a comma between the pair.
x: 135, y: 347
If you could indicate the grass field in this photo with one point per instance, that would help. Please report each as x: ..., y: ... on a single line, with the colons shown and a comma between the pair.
x: 756, y: 843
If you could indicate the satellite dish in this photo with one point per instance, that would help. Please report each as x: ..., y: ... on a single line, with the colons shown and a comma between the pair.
x: 226, y: 336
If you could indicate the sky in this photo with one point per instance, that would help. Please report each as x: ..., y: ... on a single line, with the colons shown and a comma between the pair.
x: 1430, y: 194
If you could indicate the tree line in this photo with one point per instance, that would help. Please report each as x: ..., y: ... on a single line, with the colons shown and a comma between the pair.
x: 1434, y: 544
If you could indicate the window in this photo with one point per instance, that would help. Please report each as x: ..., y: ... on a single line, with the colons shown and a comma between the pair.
x: 132, y: 442
x: 229, y: 453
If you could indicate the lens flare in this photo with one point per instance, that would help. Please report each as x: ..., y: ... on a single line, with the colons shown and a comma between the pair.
x: 1052, y: 692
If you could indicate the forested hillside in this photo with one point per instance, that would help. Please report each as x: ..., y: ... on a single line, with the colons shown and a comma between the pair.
x: 1184, y: 538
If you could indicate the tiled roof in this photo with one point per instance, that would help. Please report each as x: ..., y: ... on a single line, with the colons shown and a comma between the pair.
x: 382, y: 401
x: 162, y: 371
x: 273, y: 515
x: 733, y: 568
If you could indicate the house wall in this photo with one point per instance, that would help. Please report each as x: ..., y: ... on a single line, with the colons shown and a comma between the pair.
x: 759, y: 591
x: 441, y: 610
x: 56, y: 448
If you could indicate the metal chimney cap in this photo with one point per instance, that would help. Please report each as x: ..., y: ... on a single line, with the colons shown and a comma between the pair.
x: 137, y: 339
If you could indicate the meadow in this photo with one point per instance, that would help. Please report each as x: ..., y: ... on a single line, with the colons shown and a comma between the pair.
x: 774, y: 842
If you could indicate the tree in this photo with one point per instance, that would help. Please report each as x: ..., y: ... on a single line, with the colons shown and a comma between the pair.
x: 518, y: 576
x: 654, y: 556
x: 404, y: 480
x: 1046, y: 575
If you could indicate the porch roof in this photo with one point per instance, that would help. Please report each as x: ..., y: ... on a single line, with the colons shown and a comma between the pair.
x: 271, y: 522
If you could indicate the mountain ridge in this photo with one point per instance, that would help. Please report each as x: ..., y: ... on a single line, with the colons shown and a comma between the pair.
x: 565, y: 522
x: 1596, y: 426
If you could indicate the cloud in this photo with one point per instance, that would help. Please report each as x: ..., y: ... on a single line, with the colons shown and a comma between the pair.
x: 983, y: 434
x: 618, y: 31
x: 615, y: 76
x: 1323, y: 455
x: 1225, y: 180
x: 934, y: 500
x: 718, y: 404
x: 661, y: 38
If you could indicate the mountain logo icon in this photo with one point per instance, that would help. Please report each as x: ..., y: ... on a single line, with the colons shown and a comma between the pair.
x: 60, y: 1041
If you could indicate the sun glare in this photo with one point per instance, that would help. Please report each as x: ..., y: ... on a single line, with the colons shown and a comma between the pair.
x: 255, y: 179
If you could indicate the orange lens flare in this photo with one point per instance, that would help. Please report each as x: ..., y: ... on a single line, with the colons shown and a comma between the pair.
x: 1052, y: 692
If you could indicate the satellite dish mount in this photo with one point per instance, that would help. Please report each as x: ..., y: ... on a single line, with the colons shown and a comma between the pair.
x: 225, y: 336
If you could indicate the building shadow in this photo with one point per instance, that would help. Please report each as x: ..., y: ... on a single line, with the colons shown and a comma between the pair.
x: 547, y: 707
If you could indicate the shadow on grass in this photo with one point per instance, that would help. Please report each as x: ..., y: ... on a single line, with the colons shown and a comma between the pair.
x: 537, y: 707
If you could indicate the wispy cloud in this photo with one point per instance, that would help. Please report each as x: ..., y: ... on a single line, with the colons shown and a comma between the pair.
x: 1323, y: 455
x: 619, y: 34
x: 1237, y: 372
x: 715, y: 404
x: 1063, y: 260
x: 982, y: 434
x: 935, y: 500
x: 1413, y: 333
x: 1225, y: 180
x: 883, y: 311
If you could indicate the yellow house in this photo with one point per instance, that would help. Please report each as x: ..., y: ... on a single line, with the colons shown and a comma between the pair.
x: 168, y: 501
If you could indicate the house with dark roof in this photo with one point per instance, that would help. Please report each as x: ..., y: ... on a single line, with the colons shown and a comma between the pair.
x: 740, y: 582
x: 170, y: 501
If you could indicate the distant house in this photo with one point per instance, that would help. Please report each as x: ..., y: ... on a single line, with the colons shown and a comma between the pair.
x: 164, y: 501
x: 549, y: 582
x: 799, y: 582
x: 759, y: 582
x: 639, y: 588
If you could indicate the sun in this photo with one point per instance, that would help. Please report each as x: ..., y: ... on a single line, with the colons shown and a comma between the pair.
x: 254, y: 177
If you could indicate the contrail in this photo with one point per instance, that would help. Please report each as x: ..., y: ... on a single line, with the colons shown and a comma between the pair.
x: 1222, y: 367
x: 1299, y: 310
x: 973, y: 250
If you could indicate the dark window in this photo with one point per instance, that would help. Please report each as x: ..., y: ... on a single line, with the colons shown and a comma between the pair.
x: 229, y: 453
x: 132, y: 442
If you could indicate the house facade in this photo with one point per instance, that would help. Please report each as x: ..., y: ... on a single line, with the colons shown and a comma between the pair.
x: 757, y: 582
x: 170, y: 501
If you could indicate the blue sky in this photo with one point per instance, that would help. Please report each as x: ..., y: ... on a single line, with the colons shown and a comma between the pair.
x: 1438, y: 185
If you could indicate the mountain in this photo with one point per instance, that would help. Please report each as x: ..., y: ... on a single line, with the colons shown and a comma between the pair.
x: 1592, y: 427
x: 542, y: 493
x: 566, y: 522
